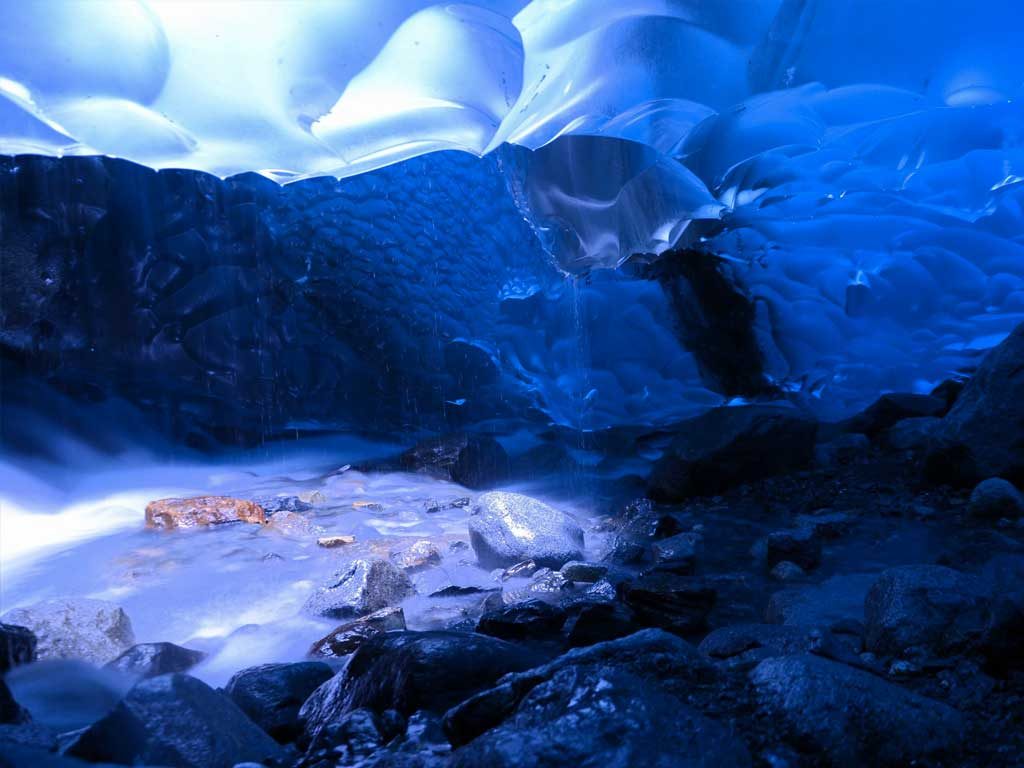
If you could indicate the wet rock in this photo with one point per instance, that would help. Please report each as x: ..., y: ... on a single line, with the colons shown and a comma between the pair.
x: 474, y: 461
x: 544, y: 584
x: 587, y: 716
x: 201, y: 511
x: 678, y: 553
x: 333, y: 542
x: 175, y: 720
x: 799, y: 545
x: 75, y: 628
x: 352, y: 738
x: 847, y: 717
x: 522, y: 621
x: 17, y: 646
x: 507, y: 528
x: 523, y: 570
x: 417, y: 557
x: 273, y: 505
x: 892, y: 408
x: 913, y: 435
x: 837, y: 599
x: 981, y: 436
x: 746, y: 645
x: 272, y: 694
x: 727, y: 447
x: 669, y: 601
x: 787, y: 571
x: 433, y: 507
x: 152, y: 659
x: 586, y: 573
x: 457, y: 590
x: 995, y: 498
x: 656, y: 657
x: 348, y: 637
x: 364, y: 587
x: 410, y: 671
x: 924, y: 607
x: 591, y: 623
x: 294, y: 525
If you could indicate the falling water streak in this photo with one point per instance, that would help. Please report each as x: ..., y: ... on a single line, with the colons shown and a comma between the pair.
x: 581, y: 377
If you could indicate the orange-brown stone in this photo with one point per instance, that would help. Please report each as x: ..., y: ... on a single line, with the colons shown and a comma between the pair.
x: 202, y: 510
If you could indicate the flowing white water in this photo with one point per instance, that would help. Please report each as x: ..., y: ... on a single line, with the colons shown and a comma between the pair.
x: 236, y: 591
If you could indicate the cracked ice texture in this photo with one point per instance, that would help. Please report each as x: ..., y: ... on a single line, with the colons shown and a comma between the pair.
x: 860, y: 161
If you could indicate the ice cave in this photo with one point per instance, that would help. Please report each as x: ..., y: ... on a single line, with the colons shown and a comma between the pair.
x: 511, y: 383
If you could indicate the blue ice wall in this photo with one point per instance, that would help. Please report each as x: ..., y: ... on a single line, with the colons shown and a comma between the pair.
x: 410, y: 299
x: 851, y: 170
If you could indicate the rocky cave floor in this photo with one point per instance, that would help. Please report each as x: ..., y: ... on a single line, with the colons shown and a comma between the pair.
x: 849, y: 613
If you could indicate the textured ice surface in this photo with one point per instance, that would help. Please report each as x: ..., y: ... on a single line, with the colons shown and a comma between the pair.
x: 860, y: 162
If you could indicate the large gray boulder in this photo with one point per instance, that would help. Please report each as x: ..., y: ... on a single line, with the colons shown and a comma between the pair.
x: 364, y: 587
x: 175, y: 720
x: 930, y: 608
x: 848, y: 717
x: 508, y: 528
x: 983, y: 435
x: 75, y: 628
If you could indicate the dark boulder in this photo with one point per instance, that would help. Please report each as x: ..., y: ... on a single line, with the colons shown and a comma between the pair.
x: 842, y: 716
x: 475, y: 461
x: 799, y: 545
x: 983, y: 434
x: 530, y: 619
x: 153, y: 659
x: 995, y: 498
x: 892, y: 408
x: 272, y: 694
x: 584, y: 716
x: 343, y: 640
x: 666, y: 600
x: 598, y: 622
x: 914, y: 435
x: 175, y: 720
x: 409, y: 671
x: 678, y: 553
x: 746, y: 645
x: 17, y: 646
x: 929, y: 608
x: 656, y: 658
x: 727, y: 447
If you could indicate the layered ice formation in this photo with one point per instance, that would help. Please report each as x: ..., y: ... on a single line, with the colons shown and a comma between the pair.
x: 858, y: 166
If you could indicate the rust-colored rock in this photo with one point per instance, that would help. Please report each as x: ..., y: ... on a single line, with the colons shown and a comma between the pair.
x: 202, y: 510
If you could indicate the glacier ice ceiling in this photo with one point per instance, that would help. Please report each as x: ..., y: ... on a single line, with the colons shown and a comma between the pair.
x: 814, y: 199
